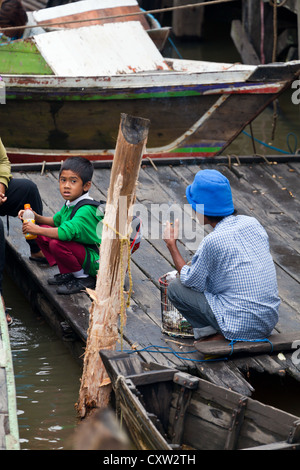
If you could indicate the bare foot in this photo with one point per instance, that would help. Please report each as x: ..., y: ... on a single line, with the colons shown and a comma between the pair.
x: 216, y: 337
x: 8, y: 319
x: 40, y: 254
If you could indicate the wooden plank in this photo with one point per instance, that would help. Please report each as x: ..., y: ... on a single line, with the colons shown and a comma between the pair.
x: 140, y: 425
x: 183, y: 400
x: 294, y: 435
x: 150, y: 377
x: 236, y: 424
x: 275, y: 446
x: 104, y: 14
x: 242, y: 43
x: 276, y: 342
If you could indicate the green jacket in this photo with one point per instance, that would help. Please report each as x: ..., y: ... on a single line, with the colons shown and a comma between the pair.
x: 85, y: 228
x: 5, y: 169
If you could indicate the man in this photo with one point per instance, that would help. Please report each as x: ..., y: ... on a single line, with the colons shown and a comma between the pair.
x: 14, y: 193
x: 230, y: 288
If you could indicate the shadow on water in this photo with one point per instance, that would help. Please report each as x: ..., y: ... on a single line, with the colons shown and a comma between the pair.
x: 46, y: 377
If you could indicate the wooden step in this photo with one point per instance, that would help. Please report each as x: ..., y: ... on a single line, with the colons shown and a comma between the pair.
x: 275, y: 342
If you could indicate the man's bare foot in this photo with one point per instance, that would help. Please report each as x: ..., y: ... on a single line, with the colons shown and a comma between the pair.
x: 9, y: 319
x: 215, y: 337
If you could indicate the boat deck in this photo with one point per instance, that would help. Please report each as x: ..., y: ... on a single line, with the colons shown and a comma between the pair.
x: 268, y: 191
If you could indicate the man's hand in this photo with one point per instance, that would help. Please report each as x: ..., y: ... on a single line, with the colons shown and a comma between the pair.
x: 3, y: 198
x: 170, y: 235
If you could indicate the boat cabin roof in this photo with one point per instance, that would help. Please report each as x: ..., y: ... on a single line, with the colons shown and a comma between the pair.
x: 109, y: 49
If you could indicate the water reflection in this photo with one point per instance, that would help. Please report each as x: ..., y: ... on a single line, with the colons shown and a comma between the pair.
x: 46, y: 376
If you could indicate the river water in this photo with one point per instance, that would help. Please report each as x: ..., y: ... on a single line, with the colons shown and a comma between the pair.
x: 47, y: 377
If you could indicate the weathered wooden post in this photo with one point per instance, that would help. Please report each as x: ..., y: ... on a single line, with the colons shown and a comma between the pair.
x: 188, y: 22
x: 104, y: 313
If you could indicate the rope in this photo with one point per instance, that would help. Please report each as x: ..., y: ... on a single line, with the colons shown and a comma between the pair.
x: 171, y: 351
x: 162, y: 10
x: 252, y: 137
x: 175, y: 48
x: 229, y: 160
x: 266, y: 145
x: 130, y: 351
x: 124, y: 240
x: 265, y: 340
x: 122, y: 306
x: 295, y: 141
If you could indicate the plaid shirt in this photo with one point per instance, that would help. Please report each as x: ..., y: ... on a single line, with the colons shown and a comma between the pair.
x: 234, y: 268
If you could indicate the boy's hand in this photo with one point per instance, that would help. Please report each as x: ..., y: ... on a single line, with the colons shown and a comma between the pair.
x: 29, y: 227
x: 20, y: 214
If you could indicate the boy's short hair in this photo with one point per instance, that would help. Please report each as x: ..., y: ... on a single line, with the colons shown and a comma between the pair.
x: 79, y: 165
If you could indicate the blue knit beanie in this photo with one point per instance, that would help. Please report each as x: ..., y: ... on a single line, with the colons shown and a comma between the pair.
x: 212, y: 191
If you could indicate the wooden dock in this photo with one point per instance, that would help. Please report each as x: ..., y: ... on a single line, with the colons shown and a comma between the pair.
x: 9, y: 432
x: 268, y: 191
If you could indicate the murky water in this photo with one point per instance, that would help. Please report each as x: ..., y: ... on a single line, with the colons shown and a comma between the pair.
x: 46, y: 377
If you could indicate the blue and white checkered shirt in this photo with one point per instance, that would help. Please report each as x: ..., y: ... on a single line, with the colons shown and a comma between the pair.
x: 234, y: 268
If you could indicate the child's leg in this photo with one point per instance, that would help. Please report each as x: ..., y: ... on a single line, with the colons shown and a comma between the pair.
x: 69, y: 256
x: 43, y: 243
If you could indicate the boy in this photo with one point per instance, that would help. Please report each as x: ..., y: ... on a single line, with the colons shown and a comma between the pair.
x: 71, y: 243
x: 230, y: 289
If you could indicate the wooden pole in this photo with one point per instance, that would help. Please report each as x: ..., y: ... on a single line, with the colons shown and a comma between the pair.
x: 104, y: 313
x: 188, y: 22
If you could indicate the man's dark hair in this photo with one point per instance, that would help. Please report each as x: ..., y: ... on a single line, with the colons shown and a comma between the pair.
x: 218, y: 219
x: 12, y: 13
x: 79, y: 165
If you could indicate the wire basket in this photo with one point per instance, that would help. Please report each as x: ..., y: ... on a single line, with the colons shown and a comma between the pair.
x: 173, y: 323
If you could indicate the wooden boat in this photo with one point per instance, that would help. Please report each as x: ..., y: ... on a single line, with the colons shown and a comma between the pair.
x: 69, y: 95
x: 9, y: 432
x: 166, y: 409
x: 91, y: 12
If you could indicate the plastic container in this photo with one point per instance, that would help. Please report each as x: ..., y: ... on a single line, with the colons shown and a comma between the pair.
x: 173, y: 323
x: 29, y: 216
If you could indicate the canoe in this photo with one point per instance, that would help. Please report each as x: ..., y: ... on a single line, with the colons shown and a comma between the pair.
x: 65, y: 91
x: 166, y: 409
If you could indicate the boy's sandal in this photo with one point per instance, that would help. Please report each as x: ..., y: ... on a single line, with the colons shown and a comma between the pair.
x: 38, y: 260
